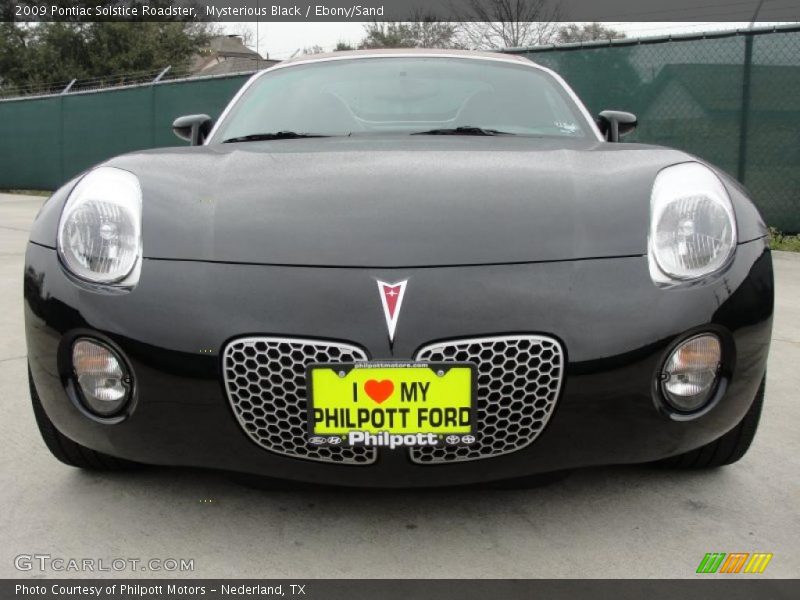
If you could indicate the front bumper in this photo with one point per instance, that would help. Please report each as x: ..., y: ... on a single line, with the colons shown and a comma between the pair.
x: 613, y: 323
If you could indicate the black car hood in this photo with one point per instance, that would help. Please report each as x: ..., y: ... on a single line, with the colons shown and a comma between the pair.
x: 397, y: 202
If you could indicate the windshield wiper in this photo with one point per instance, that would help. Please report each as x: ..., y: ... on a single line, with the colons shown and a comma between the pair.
x: 278, y: 135
x: 464, y: 130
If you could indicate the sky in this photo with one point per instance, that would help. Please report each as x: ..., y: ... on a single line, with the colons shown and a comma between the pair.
x: 281, y: 40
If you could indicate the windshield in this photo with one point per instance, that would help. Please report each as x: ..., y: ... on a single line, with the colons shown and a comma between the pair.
x: 404, y: 95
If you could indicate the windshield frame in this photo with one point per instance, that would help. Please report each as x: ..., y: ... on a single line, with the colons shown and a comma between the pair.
x: 590, y: 123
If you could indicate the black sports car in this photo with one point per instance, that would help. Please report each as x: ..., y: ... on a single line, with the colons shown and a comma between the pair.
x: 409, y: 268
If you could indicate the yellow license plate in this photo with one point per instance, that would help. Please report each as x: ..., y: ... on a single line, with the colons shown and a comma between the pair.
x: 390, y: 399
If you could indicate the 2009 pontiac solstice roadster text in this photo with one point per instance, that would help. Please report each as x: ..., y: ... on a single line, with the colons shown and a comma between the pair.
x: 58, y: 11
x: 409, y: 268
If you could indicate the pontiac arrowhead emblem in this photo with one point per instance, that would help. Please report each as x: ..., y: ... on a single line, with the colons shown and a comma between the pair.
x: 392, y: 299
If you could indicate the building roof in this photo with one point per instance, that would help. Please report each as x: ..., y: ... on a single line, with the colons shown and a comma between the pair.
x: 227, y: 54
x: 230, y: 45
x: 237, y: 65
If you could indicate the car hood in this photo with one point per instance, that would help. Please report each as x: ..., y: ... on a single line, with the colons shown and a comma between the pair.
x: 397, y: 202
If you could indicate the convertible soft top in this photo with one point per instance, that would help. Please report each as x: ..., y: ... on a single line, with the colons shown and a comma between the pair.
x: 514, y: 58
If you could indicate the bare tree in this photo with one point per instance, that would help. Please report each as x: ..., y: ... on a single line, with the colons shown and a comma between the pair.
x: 315, y: 49
x: 488, y: 24
x: 387, y: 34
x: 423, y: 31
x: 244, y: 31
x: 587, y: 33
x: 430, y: 32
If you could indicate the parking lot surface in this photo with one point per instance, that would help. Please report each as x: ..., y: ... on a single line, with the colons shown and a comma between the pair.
x: 600, y: 522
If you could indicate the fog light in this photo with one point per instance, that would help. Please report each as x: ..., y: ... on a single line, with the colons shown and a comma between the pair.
x: 102, y: 377
x: 690, y: 373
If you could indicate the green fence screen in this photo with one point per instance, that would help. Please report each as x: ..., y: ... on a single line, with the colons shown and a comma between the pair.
x: 732, y: 99
x: 45, y: 141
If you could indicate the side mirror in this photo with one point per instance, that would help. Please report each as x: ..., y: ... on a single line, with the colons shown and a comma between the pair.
x: 192, y: 128
x: 616, y: 123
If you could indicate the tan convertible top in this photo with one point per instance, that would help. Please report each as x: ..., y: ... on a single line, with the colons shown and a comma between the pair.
x: 408, y: 52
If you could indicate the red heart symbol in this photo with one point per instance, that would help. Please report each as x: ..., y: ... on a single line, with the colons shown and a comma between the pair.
x: 379, y: 391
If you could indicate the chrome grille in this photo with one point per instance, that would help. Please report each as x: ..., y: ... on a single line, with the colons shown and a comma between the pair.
x: 519, y: 378
x: 265, y: 379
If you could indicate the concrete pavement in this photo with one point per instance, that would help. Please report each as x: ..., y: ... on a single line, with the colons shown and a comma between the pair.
x: 601, y: 522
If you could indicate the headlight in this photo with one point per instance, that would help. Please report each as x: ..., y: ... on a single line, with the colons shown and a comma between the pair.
x: 102, y: 377
x: 690, y: 372
x: 692, y: 227
x: 99, y: 236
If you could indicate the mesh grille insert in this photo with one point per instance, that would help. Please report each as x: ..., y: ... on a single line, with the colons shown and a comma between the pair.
x: 266, y: 383
x: 519, y: 378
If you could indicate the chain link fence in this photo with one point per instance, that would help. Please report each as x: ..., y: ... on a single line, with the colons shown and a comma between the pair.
x: 44, y: 141
x: 732, y: 98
